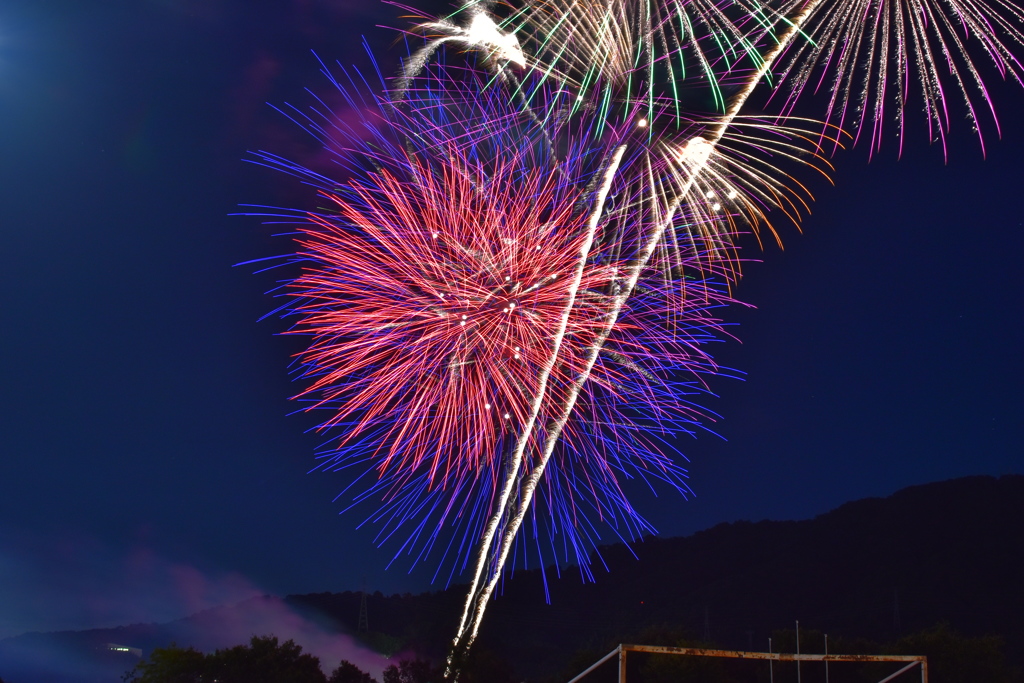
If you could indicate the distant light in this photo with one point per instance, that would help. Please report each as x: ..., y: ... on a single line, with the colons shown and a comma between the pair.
x: 642, y: 123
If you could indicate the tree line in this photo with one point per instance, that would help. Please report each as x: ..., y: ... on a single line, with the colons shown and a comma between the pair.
x: 266, y: 660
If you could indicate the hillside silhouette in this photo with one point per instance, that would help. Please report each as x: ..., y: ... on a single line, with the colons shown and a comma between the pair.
x: 878, y: 568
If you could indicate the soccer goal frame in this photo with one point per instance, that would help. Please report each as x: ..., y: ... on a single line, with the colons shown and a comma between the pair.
x: 910, y: 661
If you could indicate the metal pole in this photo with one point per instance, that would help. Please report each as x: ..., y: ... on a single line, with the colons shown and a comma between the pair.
x: 622, y: 664
x: 890, y: 677
x: 771, y: 671
x: 826, y: 661
x: 596, y: 664
x: 924, y: 670
x: 798, y: 650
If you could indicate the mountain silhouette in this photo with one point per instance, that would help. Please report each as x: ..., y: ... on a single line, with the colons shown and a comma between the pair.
x: 877, y: 568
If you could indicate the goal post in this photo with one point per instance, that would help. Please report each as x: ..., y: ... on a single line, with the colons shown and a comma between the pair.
x: 910, y: 661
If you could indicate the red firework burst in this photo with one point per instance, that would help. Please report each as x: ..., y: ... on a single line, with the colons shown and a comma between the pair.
x: 434, y: 302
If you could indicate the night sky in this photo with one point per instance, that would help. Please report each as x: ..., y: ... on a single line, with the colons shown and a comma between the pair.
x: 148, y: 463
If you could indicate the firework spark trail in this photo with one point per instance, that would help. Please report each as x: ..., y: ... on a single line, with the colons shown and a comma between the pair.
x: 527, y: 429
x: 554, y: 431
x: 857, y: 42
x: 481, y: 33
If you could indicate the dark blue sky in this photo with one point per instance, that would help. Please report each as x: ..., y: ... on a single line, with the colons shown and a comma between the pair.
x: 147, y: 463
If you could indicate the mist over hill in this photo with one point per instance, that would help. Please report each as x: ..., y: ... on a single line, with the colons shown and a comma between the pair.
x: 877, y: 568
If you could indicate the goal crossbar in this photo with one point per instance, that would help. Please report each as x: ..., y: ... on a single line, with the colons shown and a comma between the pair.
x: 621, y: 650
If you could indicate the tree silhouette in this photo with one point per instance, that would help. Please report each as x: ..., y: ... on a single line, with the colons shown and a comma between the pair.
x: 347, y: 672
x: 263, y: 660
x: 170, y: 665
x: 413, y: 671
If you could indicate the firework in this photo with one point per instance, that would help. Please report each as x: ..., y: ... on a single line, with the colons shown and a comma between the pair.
x: 455, y: 288
x: 605, y: 54
x: 690, y: 179
x: 878, y: 55
x: 656, y: 77
x: 509, y: 292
